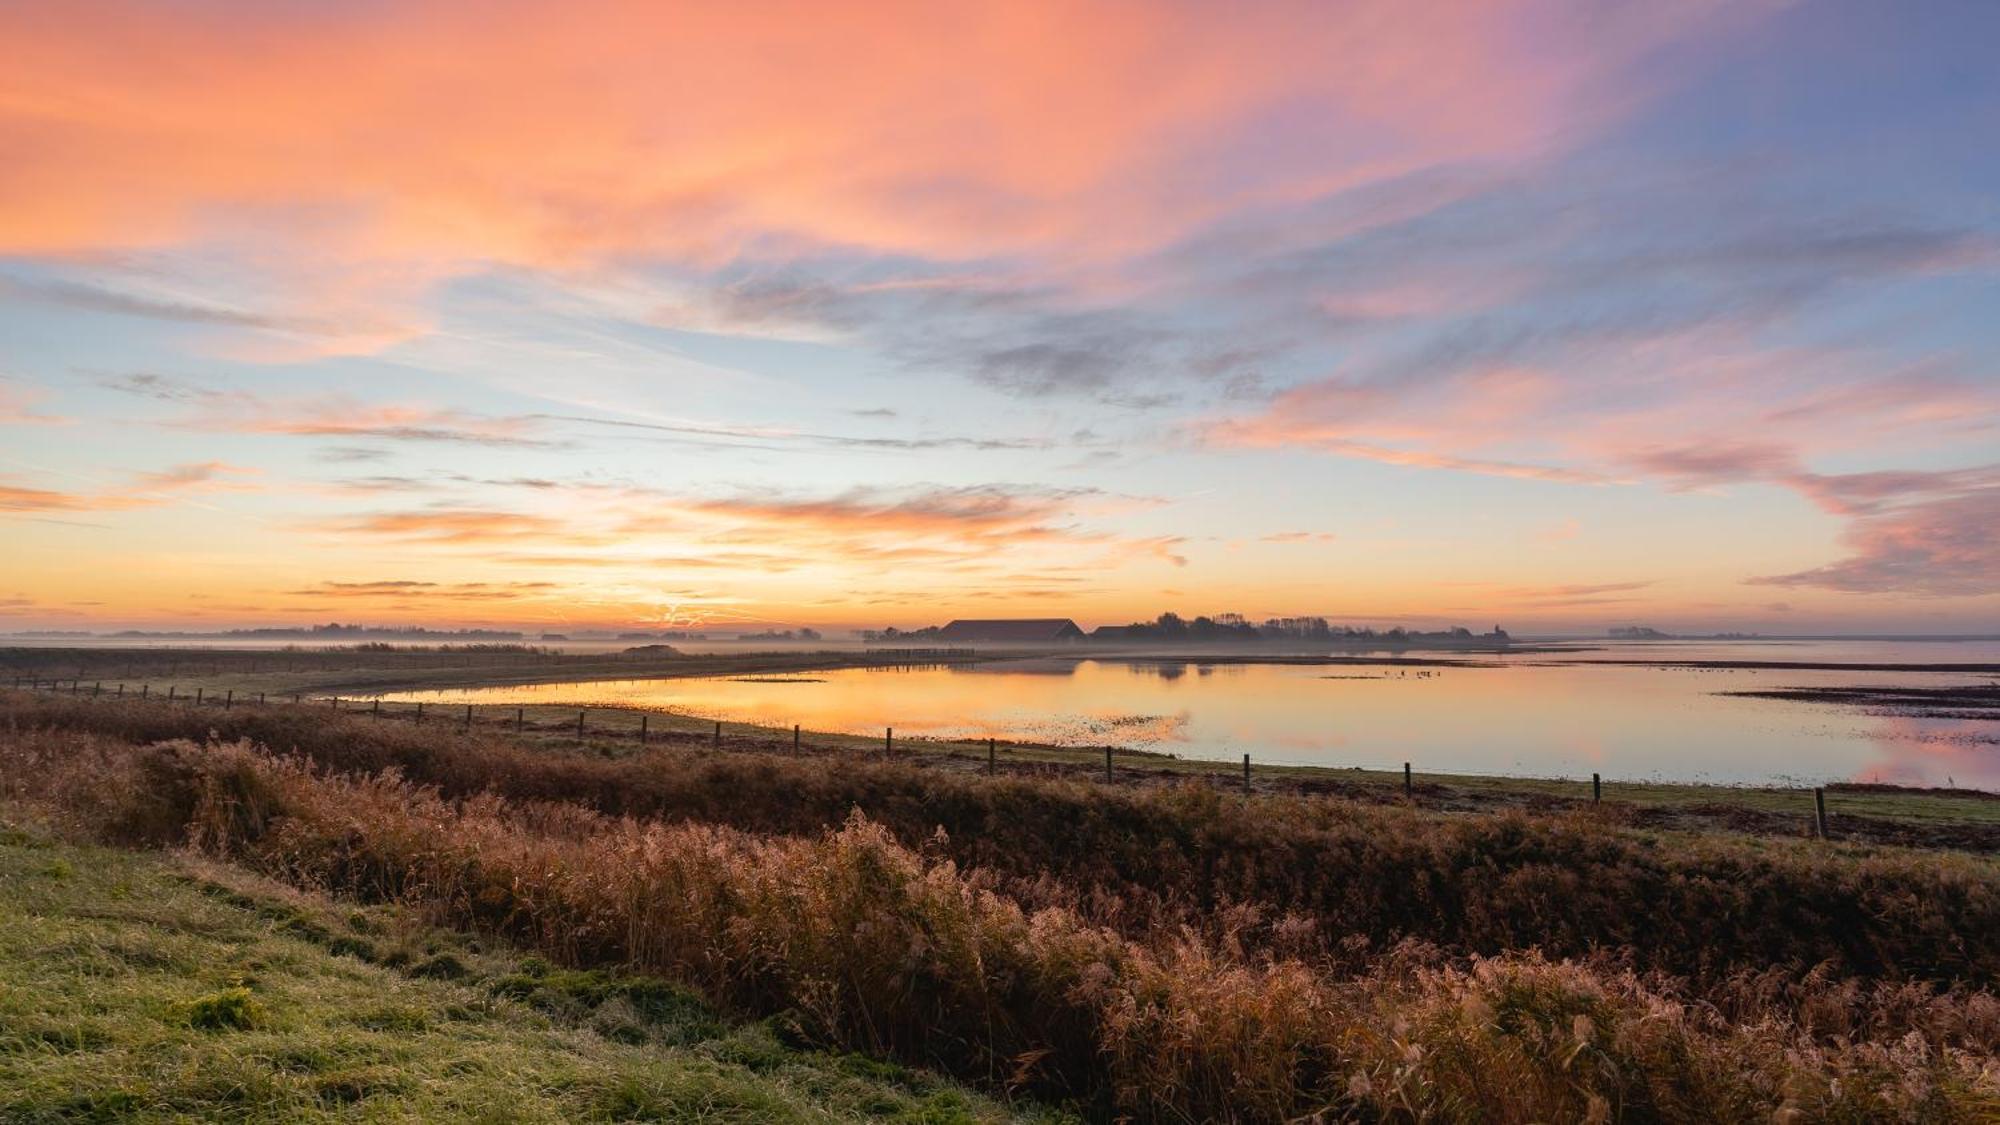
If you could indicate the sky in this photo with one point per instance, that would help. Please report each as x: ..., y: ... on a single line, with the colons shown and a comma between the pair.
x: 1555, y: 315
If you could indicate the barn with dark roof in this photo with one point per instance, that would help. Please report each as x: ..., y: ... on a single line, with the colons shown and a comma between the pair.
x: 1014, y: 630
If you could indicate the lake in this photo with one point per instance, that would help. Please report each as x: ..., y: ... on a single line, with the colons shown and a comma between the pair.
x: 1545, y: 715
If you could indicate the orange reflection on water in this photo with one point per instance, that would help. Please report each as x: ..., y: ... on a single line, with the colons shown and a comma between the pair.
x: 1517, y: 718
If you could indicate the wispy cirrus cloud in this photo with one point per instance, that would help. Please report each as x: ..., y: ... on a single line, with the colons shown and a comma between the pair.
x: 18, y: 407
x: 422, y: 591
x: 342, y: 416
x: 329, y: 416
x: 782, y: 437
x: 18, y: 498
x: 337, y: 416
x: 99, y: 299
x: 142, y: 490
x: 1563, y: 596
x: 991, y: 529
x: 457, y: 527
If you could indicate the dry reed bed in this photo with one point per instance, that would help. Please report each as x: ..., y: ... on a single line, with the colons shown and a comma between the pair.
x: 1323, y: 880
x: 862, y: 941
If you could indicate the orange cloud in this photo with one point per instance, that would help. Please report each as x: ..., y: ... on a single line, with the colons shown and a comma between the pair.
x: 999, y: 532
x: 386, y: 146
x: 342, y: 417
x: 14, y: 498
x: 146, y: 490
x: 412, y: 589
x: 456, y: 526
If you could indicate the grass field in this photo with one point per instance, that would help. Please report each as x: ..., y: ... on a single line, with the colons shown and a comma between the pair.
x: 1165, y: 952
x: 145, y: 987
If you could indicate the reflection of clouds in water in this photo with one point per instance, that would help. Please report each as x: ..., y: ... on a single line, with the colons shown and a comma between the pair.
x: 1933, y: 751
x: 1630, y: 722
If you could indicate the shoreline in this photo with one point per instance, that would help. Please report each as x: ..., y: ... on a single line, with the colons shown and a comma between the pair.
x: 348, y: 675
x: 1866, y: 812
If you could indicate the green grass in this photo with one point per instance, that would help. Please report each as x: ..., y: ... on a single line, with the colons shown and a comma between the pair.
x: 157, y: 988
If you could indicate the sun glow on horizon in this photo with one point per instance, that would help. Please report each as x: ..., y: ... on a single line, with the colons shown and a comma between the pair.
x: 1555, y: 313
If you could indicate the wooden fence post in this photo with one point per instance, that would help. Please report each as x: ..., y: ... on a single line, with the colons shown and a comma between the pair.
x: 197, y: 697
x: 642, y: 728
x: 229, y: 700
x: 1596, y: 789
x: 170, y: 693
x: 992, y: 755
x: 519, y: 723
x: 795, y: 738
x: 1409, y: 786
x: 467, y: 725
x: 718, y: 734
x: 420, y: 714
x: 579, y: 724
x: 888, y: 740
x: 1246, y: 775
x: 1819, y: 811
x: 1107, y: 763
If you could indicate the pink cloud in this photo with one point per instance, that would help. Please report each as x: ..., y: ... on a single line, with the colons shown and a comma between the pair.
x: 145, y: 490
x: 338, y: 416
x: 17, y: 408
x: 1946, y: 547
x: 1688, y: 409
x: 377, y: 148
x: 1721, y: 461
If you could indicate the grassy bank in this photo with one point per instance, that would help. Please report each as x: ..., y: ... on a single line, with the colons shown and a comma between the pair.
x: 1166, y: 954
x: 1308, y: 876
x: 150, y: 988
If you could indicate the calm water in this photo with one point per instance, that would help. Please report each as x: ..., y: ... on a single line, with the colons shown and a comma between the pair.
x: 1523, y: 715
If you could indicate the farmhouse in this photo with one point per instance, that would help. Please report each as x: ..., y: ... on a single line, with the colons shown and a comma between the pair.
x: 1019, y: 631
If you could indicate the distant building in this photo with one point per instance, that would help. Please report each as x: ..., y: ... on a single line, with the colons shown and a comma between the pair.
x: 1017, y: 631
x: 1117, y: 634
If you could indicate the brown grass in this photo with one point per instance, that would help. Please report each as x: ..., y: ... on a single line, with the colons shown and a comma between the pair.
x: 1318, y: 879
x: 857, y: 938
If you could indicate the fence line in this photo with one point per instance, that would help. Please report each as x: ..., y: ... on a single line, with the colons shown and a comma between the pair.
x: 1819, y: 822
